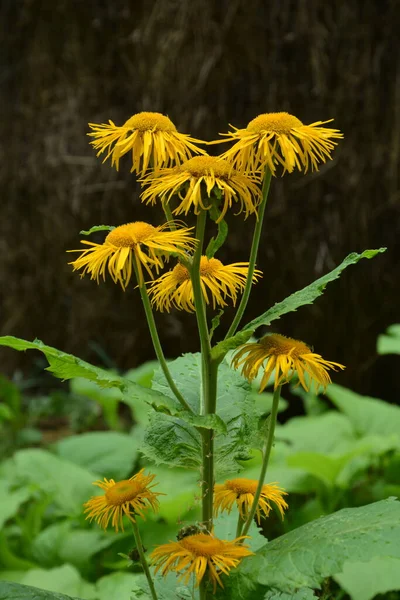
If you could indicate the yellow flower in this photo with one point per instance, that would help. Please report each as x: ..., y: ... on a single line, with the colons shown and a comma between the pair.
x: 273, y: 139
x: 242, y: 491
x: 220, y: 281
x: 197, y: 178
x: 129, y: 497
x: 152, y: 138
x: 196, y: 554
x: 139, y: 242
x: 286, y: 356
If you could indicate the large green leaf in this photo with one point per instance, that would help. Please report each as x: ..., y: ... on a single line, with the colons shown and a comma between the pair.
x: 303, y: 594
x: 10, y: 501
x: 308, y: 294
x: 122, y: 586
x: 107, y: 453
x: 174, y: 441
x: 364, y: 580
x: 16, y: 591
x: 68, y: 484
x: 309, y: 554
x: 368, y: 415
x: 60, y: 579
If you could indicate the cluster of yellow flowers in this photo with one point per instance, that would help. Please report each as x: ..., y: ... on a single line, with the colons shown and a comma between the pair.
x: 179, y: 175
x: 196, y: 553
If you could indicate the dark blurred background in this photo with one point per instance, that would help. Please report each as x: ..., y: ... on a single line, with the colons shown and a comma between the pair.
x: 204, y: 63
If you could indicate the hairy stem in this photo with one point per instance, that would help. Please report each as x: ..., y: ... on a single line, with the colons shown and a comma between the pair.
x: 143, y: 560
x: 253, y: 255
x: 156, y: 341
x: 266, y: 454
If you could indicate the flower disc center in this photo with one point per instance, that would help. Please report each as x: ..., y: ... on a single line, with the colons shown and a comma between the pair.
x: 209, y: 267
x: 280, y: 122
x: 202, y: 544
x: 181, y: 273
x: 150, y: 121
x: 276, y: 344
x: 122, y: 492
x: 126, y: 236
x: 203, y: 166
x: 242, y: 486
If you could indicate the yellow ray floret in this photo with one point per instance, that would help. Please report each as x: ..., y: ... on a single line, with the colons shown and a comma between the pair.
x: 218, y: 282
x: 133, y: 245
x: 129, y: 497
x: 193, y: 182
x: 151, y: 137
x: 287, y: 356
x: 242, y: 491
x: 200, y: 554
x: 274, y: 139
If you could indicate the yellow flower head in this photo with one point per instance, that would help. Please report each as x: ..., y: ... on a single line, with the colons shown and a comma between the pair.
x: 279, y: 138
x: 152, y: 138
x: 196, y: 554
x: 129, y: 497
x: 195, y: 179
x: 242, y: 491
x: 217, y: 280
x: 139, y: 242
x: 286, y: 356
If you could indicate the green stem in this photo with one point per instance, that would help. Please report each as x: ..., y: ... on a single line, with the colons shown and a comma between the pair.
x: 253, y: 255
x: 266, y: 455
x: 143, y: 560
x: 239, y: 526
x: 168, y: 215
x: 209, y: 378
x: 156, y: 341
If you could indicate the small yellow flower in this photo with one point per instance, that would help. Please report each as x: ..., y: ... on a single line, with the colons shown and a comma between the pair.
x: 273, y: 139
x: 242, y: 491
x: 220, y: 281
x: 195, y: 179
x: 139, y: 242
x: 129, y: 497
x: 152, y: 138
x: 286, y: 356
x: 196, y: 554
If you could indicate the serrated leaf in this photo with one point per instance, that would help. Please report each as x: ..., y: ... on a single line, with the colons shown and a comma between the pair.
x: 309, y: 554
x: 175, y: 441
x: 124, y: 586
x: 368, y: 415
x: 308, y: 294
x: 303, y: 594
x: 17, y: 591
x: 219, y: 351
x: 97, y: 228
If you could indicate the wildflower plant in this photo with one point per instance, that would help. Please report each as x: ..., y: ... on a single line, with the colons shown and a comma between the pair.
x: 204, y: 413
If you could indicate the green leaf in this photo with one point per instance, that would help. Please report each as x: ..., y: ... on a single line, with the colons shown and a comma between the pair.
x: 215, y: 243
x: 108, y: 453
x: 389, y: 343
x: 364, y: 580
x: 309, y: 554
x: 308, y: 294
x: 58, y: 580
x: 63, y: 365
x: 10, y: 501
x: 225, y: 529
x: 219, y: 351
x: 303, y: 594
x: 175, y: 441
x: 325, y: 468
x: 69, y: 485
x: 97, y: 228
x: 368, y: 415
x: 16, y: 591
x: 122, y: 586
